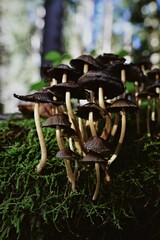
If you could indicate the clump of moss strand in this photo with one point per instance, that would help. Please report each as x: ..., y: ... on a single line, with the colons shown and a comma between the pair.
x: 42, y: 206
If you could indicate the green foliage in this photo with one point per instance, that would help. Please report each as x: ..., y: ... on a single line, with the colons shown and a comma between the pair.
x: 38, y: 85
x: 42, y: 206
x: 56, y: 58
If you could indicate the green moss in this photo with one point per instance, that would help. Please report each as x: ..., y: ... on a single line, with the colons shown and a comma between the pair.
x: 42, y: 206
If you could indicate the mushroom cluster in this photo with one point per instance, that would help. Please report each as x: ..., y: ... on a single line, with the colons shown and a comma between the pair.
x: 89, y: 102
x: 149, y: 93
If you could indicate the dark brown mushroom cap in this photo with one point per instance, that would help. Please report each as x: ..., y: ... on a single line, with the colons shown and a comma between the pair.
x: 94, y: 79
x: 154, y: 88
x: 145, y: 63
x: 96, y: 144
x: 145, y: 94
x: 133, y: 73
x: 59, y: 119
x: 83, y: 111
x: 78, y: 63
x: 123, y: 104
x: 66, y: 153
x: 69, y: 132
x: 76, y: 91
x: 44, y: 71
x: 154, y: 74
x: 93, y: 157
x: 57, y: 73
x: 106, y: 58
x: 43, y: 96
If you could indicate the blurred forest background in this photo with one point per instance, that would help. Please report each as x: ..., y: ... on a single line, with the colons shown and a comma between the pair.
x: 31, y: 28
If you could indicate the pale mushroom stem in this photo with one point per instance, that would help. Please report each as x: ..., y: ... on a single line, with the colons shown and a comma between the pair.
x: 123, y: 79
x: 153, y: 113
x: 158, y: 104
x: 148, y: 116
x: 96, y: 192
x: 76, y: 162
x: 115, y: 126
x: 91, y: 124
x: 97, y: 166
x: 73, y: 120
x: 121, y: 138
x: 69, y: 171
x: 64, y: 77
x: 85, y: 68
x: 108, y: 123
x: 43, y: 159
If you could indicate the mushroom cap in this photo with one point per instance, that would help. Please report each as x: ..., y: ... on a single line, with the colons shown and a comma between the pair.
x: 123, y: 104
x: 76, y: 91
x: 69, y: 132
x: 145, y: 63
x: 96, y: 144
x: 106, y: 58
x: 78, y: 63
x: 94, y: 79
x: 66, y: 153
x: 59, y: 119
x: 154, y: 74
x: 93, y: 157
x: 57, y: 73
x: 145, y: 94
x: 83, y: 111
x: 43, y: 96
x: 133, y: 73
x: 154, y: 88
x: 44, y: 70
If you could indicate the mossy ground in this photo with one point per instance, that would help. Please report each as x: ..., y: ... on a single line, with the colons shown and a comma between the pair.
x: 42, y: 206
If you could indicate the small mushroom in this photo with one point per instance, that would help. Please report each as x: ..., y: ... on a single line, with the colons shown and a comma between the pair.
x: 39, y: 97
x: 63, y: 73
x: 97, y: 144
x: 122, y: 106
x: 60, y: 121
x: 97, y: 159
x: 71, y: 90
x: 84, y: 63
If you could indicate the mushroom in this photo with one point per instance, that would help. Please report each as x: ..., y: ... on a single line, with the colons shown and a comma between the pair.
x: 39, y: 97
x: 148, y: 96
x: 102, y: 84
x: 71, y: 90
x: 122, y: 106
x: 60, y: 121
x: 84, y: 63
x: 63, y: 73
x: 97, y: 159
x: 89, y: 111
x: 155, y: 90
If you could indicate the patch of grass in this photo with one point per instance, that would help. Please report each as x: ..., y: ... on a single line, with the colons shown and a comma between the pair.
x: 42, y: 206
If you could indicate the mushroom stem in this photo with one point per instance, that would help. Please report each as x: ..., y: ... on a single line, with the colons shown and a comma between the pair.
x: 76, y: 162
x: 61, y: 146
x: 64, y: 77
x: 108, y: 122
x: 91, y: 124
x: 43, y: 159
x: 97, y: 170
x: 123, y: 79
x: 115, y: 126
x: 85, y: 68
x: 148, y: 116
x: 73, y: 119
x: 101, y: 98
x: 97, y: 166
x: 121, y: 138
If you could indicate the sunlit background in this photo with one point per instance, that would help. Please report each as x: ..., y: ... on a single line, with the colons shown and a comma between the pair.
x: 31, y: 28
